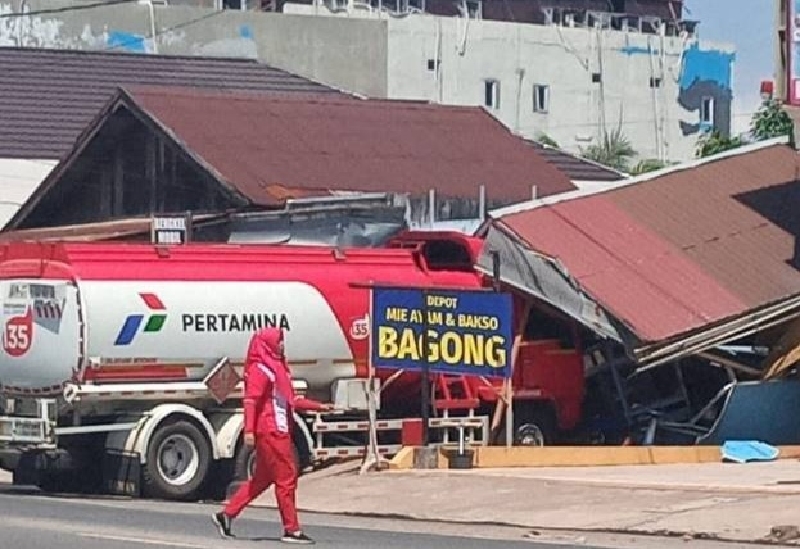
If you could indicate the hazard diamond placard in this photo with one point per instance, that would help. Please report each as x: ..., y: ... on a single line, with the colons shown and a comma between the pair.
x: 222, y: 380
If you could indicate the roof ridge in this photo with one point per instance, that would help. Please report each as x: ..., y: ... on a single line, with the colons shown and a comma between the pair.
x: 579, y: 158
x: 53, y: 52
x: 343, y: 98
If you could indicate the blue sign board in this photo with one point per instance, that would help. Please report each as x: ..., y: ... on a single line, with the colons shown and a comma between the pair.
x: 468, y: 333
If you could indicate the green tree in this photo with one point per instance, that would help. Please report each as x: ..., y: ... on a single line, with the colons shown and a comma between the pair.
x: 647, y: 165
x: 771, y: 120
x: 615, y: 151
x: 714, y: 142
x: 545, y: 139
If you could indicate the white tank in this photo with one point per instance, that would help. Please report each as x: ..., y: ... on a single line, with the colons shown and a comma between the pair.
x: 151, y: 330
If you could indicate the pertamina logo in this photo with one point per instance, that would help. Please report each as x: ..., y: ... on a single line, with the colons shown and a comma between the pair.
x: 132, y: 323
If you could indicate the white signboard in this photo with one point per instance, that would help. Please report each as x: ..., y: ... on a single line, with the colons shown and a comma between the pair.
x: 169, y: 230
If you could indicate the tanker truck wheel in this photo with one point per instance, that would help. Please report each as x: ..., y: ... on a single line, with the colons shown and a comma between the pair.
x: 178, y: 462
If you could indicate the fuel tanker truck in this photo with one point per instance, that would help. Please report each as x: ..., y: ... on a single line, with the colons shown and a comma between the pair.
x: 120, y: 362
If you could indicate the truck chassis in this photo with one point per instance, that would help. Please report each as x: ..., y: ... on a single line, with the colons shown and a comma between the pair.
x: 172, y: 440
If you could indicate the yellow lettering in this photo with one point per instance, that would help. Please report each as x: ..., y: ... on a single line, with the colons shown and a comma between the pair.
x: 449, y: 347
x: 387, y: 342
x: 495, y: 354
x: 478, y: 322
x: 408, y: 345
x: 473, y: 351
x: 433, y: 347
x: 416, y: 316
x: 396, y: 314
x: 435, y: 317
x: 442, y: 301
x: 452, y: 348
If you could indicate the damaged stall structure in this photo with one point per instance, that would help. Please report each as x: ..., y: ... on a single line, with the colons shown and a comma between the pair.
x: 687, y: 279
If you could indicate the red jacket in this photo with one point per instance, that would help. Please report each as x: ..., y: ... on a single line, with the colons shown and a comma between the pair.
x: 269, y: 398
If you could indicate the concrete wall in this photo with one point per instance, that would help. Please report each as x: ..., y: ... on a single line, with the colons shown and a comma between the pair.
x: 661, y: 122
x: 18, y: 179
x: 355, y: 60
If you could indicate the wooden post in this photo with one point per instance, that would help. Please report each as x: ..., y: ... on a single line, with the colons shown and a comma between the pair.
x: 150, y: 174
x: 523, y: 320
x: 373, y: 460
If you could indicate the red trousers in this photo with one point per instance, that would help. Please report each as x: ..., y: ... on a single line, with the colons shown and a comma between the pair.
x: 274, y: 465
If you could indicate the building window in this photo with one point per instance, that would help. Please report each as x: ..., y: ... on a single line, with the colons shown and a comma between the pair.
x: 541, y: 98
x: 491, y: 94
x: 655, y: 82
x: 432, y: 64
x: 707, y: 110
x: 596, y: 77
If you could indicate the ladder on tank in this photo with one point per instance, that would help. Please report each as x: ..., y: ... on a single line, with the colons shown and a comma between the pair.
x: 454, y: 393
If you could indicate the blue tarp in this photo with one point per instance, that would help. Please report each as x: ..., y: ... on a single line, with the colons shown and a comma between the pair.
x: 742, y: 451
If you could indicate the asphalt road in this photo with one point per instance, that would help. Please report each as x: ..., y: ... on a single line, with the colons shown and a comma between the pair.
x: 33, y: 521
x: 30, y: 520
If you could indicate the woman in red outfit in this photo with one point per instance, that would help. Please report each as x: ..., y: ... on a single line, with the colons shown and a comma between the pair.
x: 268, y: 405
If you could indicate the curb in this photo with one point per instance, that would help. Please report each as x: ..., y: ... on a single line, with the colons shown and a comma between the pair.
x: 633, y: 531
x: 770, y: 489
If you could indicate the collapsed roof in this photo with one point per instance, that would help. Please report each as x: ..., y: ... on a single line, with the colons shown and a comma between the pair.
x: 669, y: 263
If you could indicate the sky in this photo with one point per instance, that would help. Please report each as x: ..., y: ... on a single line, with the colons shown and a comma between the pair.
x: 749, y: 26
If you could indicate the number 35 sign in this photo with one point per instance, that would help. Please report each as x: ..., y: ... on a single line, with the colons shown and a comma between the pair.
x: 17, y: 334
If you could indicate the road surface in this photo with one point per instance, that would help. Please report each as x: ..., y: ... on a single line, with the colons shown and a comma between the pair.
x: 33, y: 521
x: 29, y: 520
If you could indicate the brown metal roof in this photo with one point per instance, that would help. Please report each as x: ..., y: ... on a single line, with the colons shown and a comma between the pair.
x: 674, y: 252
x: 50, y: 96
x: 735, y: 218
x: 575, y: 167
x: 254, y: 142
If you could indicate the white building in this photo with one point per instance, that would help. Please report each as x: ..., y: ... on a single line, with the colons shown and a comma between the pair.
x: 566, y: 81
x: 18, y: 179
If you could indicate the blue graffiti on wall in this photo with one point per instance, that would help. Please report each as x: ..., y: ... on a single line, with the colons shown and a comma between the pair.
x: 704, y: 85
x: 126, y: 41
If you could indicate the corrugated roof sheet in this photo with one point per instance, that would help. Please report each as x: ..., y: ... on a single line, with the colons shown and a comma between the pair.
x: 49, y: 96
x: 684, y: 249
x: 254, y: 142
x: 575, y: 167
x: 736, y: 218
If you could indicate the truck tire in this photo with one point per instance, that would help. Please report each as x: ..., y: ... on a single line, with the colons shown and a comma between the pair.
x: 537, y: 429
x: 178, y: 462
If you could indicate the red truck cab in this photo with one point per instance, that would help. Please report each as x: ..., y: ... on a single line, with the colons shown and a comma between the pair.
x: 548, y: 379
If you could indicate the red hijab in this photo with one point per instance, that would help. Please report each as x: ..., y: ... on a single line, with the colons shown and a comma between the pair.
x: 265, y: 349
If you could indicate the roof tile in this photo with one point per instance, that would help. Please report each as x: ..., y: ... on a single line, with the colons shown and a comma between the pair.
x: 72, y: 86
